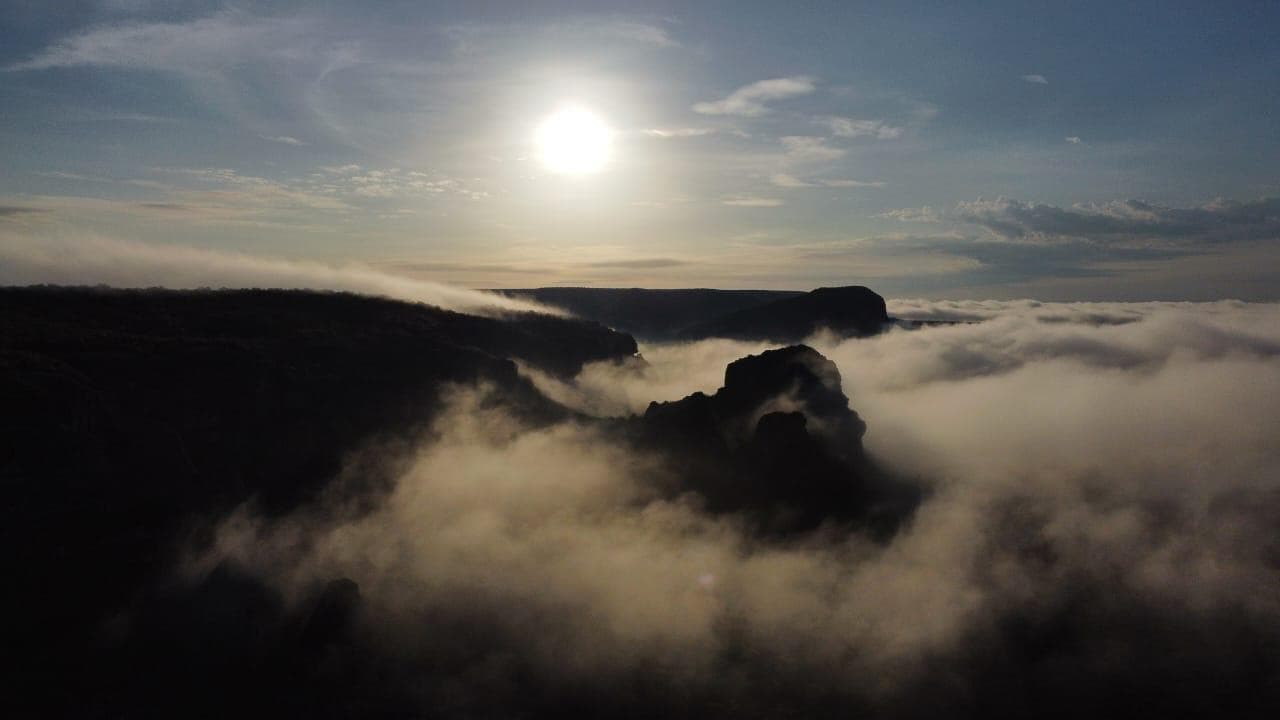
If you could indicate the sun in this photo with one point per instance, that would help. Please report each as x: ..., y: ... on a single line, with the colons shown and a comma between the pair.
x: 574, y: 141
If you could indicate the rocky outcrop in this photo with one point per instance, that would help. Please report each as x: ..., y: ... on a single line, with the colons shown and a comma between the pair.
x: 778, y: 443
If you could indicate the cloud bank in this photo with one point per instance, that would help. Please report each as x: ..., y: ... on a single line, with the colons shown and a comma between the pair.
x: 93, y: 261
x: 1100, y: 532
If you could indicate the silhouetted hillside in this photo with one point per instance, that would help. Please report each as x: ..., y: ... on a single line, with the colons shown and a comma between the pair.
x: 650, y: 314
x: 130, y: 417
x: 259, y: 390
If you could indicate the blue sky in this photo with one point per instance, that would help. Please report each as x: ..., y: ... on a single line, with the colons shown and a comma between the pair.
x: 1059, y: 151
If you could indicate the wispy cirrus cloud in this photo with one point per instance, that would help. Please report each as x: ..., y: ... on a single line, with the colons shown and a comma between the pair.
x: 225, y: 195
x: 345, y: 183
x: 639, y: 263
x: 853, y: 127
x: 846, y: 183
x: 469, y: 37
x: 920, y: 214
x: 227, y: 189
x: 414, y: 267
x: 802, y: 148
x: 791, y: 181
x: 751, y: 100
x: 1035, y: 79
x: 283, y: 140
x: 137, y: 117
x: 1009, y: 244
x: 9, y: 211
x: 636, y: 31
x: 1132, y: 221
x: 751, y: 201
x: 60, y: 175
x: 1136, y: 224
x: 788, y: 181
x: 219, y: 41
x: 677, y: 133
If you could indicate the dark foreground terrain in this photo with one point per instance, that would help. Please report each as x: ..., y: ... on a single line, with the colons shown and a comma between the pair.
x: 133, y: 421
x: 134, y: 424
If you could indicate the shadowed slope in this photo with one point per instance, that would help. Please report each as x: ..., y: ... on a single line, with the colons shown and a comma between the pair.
x: 131, y: 417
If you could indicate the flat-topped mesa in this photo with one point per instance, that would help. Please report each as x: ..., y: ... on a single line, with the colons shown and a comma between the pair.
x: 850, y: 311
x: 694, y: 314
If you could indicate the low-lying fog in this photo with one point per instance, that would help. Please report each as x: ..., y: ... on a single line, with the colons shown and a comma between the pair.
x: 1102, y: 508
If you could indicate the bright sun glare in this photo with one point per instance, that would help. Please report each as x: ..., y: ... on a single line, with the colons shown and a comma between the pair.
x: 573, y: 141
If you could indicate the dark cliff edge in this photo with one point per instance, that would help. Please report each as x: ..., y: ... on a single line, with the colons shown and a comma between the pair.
x: 259, y: 391
x: 130, y: 418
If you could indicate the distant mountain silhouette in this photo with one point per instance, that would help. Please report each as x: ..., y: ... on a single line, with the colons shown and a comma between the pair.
x: 650, y: 314
x: 779, y: 316
x: 849, y: 311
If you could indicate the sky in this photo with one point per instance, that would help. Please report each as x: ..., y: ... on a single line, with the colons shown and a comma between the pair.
x: 1060, y: 151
